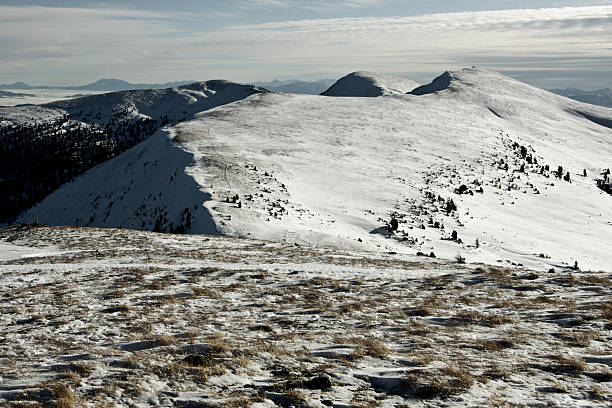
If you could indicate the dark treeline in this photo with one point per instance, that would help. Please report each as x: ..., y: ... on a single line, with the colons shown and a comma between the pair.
x: 35, y: 159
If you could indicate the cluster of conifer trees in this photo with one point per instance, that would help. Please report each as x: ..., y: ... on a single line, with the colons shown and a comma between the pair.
x: 605, y: 183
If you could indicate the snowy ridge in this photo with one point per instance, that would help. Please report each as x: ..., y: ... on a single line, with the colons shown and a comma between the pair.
x: 176, y: 103
x: 334, y: 171
x: 367, y: 84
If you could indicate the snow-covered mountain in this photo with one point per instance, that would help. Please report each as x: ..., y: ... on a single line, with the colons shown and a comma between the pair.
x: 601, y: 97
x: 297, y: 86
x: 175, y: 103
x: 104, y: 84
x: 475, y: 153
x: 368, y: 84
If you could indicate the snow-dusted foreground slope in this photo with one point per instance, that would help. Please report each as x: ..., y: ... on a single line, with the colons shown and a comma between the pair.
x: 125, y: 318
x: 333, y: 171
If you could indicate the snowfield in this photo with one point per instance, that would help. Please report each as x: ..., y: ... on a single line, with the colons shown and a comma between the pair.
x: 475, y: 153
x: 109, y: 317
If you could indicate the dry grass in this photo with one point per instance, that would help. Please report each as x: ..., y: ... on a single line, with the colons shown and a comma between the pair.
x: 562, y: 364
x: 496, y: 345
x: 219, y: 344
x: 366, y: 346
x: 64, y: 397
x: 488, y: 320
x: 434, y: 383
x: 206, y: 292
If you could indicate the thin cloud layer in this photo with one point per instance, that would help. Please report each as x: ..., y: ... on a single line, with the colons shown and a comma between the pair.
x: 54, y: 45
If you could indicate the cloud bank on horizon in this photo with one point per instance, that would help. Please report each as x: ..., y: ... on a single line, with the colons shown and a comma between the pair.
x: 549, y: 47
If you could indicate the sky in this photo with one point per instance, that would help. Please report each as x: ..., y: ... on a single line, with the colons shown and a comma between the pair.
x: 546, y: 43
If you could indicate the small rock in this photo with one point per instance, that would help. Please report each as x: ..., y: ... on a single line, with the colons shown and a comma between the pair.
x: 198, y: 360
x: 321, y: 382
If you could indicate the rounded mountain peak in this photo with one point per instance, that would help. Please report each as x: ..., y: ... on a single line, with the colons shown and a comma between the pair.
x: 368, y: 84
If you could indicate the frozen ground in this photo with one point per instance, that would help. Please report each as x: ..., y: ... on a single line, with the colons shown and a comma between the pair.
x: 333, y: 171
x: 108, y: 317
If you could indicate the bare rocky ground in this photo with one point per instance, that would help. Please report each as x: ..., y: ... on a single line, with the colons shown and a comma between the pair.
x: 108, y: 317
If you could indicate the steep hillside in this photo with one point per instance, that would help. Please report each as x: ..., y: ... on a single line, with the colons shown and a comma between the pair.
x: 471, y: 168
x: 367, y: 84
x: 45, y: 146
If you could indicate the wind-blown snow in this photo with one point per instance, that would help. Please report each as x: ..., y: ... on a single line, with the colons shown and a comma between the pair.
x: 367, y: 84
x: 331, y: 171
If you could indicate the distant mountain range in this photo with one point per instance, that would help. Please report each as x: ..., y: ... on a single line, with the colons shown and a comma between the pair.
x: 112, y: 85
x: 601, y: 97
x: 297, y: 86
x: 105, y: 85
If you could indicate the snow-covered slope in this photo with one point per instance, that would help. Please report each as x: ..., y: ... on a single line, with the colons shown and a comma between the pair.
x: 367, y: 84
x: 175, y: 103
x: 333, y: 171
x: 144, y: 188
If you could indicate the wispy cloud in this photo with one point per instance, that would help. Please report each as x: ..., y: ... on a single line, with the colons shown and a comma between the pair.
x: 321, y: 6
x: 61, y: 44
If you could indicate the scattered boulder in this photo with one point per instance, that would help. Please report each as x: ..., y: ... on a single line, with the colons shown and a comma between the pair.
x: 198, y: 360
x: 320, y: 382
x: 463, y: 189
